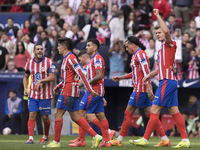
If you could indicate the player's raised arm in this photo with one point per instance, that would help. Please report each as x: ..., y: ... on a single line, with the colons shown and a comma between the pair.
x: 162, y: 25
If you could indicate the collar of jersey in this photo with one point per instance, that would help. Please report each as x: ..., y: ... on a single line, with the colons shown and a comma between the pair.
x: 68, y: 54
x: 137, y: 50
x: 40, y: 60
x: 95, y: 55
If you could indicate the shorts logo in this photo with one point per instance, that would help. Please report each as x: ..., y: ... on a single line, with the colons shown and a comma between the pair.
x: 59, y: 100
x: 82, y: 102
x: 156, y: 97
x: 40, y: 108
x: 131, y: 97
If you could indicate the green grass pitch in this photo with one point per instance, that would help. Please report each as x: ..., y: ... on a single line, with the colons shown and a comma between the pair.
x: 17, y: 142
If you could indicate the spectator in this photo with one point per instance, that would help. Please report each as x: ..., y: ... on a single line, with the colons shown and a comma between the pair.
x: 11, y: 67
x: 69, y: 18
x: 40, y: 29
x: 54, y: 4
x: 44, y: 41
x: 185, y: 39
x: 62, y: 9
x: 59, y: 21
x: 54, y: 37
x: 75, y: 30
x: 192, y: 103
x: 186, y: 58
x: 192, y: 29
x: 182, y: 9
x: 137, y: 131
x: 130, y: 23
x: 52, y: 26
x: 13, y: 110
x: 99, y: 6
x: 11, y: 29
x: 62, y: 33
x: 111, y: 15
x: 177, y: 34
x: 189, y: 124
x: 104, y: 33
x: 197, y: 20
x: 26, y: 26
x: 28, y: 45
x: 117, y: 26
x: 74, y: 4
x: 196, y: 40
x: 127, y: 2
x: 194, y: 65
x: 16, y: 7
x: 35, y: 14
x: 172, y: 23
x: 43, y: 6
x: 163, y: 8
x: 4, y: 58
x: 9, y: 45
x: 67, y: 27
x: 80, y: 45
x: 94, y: 16
x: 116, y: 57
x: 143, y: 14
x: 81, y: 19
x: 146, y: 35
x: 150, y: 51
x: 27, y: 5
x: 20, y: 34
x: 33, y: 27
x: 21, y: 56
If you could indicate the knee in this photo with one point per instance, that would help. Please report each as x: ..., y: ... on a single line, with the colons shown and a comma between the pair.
x: 32, y: 115
x: 45, y: 118
x: 101, y: 116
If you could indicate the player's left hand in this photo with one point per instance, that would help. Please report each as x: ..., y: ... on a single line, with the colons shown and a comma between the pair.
x: 116, y: 78
x: 94, y: 94
x: 104, y: 102
x: 37, y: 85
x: 156, y: 12
x: 150, y: 95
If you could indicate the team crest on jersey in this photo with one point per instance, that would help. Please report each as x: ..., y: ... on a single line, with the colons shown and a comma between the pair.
x: 38, y: 77
x: 171, y: 45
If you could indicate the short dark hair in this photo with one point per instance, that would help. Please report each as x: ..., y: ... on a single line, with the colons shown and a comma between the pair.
x: 94, y: 41
x: 66, y: 42
x: 157, y: 27
x: 13, y: 91
x: 38, y: 19
x: 82, y: 52
x: 10, y: 19
x: 45, y: 32
x: 186, y: 113
x: 36, y: 45
x: 152, y: 39
x: 172, y: 15
x: 133, y: 39
x: 187, y: 34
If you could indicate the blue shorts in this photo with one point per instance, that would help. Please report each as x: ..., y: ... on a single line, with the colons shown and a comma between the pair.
x: 92, y: 104
x: 166, y: 94
x: 41, y: 106
x: 139, y: 99
x: 68, y: 103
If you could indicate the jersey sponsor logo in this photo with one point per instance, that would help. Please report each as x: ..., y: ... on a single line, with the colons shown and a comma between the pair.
x: 189, y: 84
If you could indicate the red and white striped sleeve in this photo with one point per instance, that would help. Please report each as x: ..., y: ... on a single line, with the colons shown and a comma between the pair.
x: 77, y: 68
x: 27, y: 71
x: 129, y: 76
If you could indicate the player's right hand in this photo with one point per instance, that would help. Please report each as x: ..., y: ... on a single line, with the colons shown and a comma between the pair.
x: 145, y: 79
x: 94, y: 94
x: 104, y: 102
x: 56, y: 88
x: 150, y: 95
x: 116, y: 78
x: 25, y: 92
x: 156, y: 12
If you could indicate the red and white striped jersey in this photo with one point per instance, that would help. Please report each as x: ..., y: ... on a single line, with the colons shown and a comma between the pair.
x: 96, y: 62
x: 166, y: 60
x: 140, y: 68
x: 193, y: 73
x: 70, y: 73
x: 38, y: 71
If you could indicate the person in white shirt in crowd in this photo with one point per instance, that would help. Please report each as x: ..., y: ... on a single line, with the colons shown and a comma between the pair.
x: 111, y: 15
x: 197, y: 20
x: 116, y: 26
x: 62, y: 9
x: 69, y: 18
x: 9, y: 45
x: 116, y: 56
x: 129, y: 24
x: 69, y: 32
x: 54, y: 4
x: 28, y: 45
x: 178, y: 33
x: 75, y: 4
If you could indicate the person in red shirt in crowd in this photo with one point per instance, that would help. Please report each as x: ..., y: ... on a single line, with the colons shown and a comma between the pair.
x: 26, y: 26
x: 163, y: 8
x: 17, y: 7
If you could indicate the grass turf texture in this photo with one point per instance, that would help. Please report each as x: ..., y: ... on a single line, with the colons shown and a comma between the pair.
x: 17, y: 142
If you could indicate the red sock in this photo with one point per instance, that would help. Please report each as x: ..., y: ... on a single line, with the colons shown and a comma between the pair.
x: 104, y: 129
x: 96, y: 122
x: 180, y: 124
x: 151, y: 125
x: 31, y: 126
x: 82, y: 133
x: 46, y: 127
x: 85, y: 126
x: 57, y: 129
x: 126, y: 123
x: 159, y: 127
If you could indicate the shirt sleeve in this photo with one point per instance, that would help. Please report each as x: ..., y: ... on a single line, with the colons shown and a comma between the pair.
x: 129, y: 76
x: 6, y: 108
x: 98, y: 63
x: 19, y: 108
x: 27, y: 71
x: 52, y: 67
x: 77, y: 68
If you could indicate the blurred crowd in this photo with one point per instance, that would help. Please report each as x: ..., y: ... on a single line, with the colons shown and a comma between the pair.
x: 109, y: 21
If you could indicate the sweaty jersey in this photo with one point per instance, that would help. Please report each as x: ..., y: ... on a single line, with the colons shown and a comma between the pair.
x: 70, y: 73
x: 96, y: 62
x: 166, y: 60
x: 38, y: 71
x: 140, y: 68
